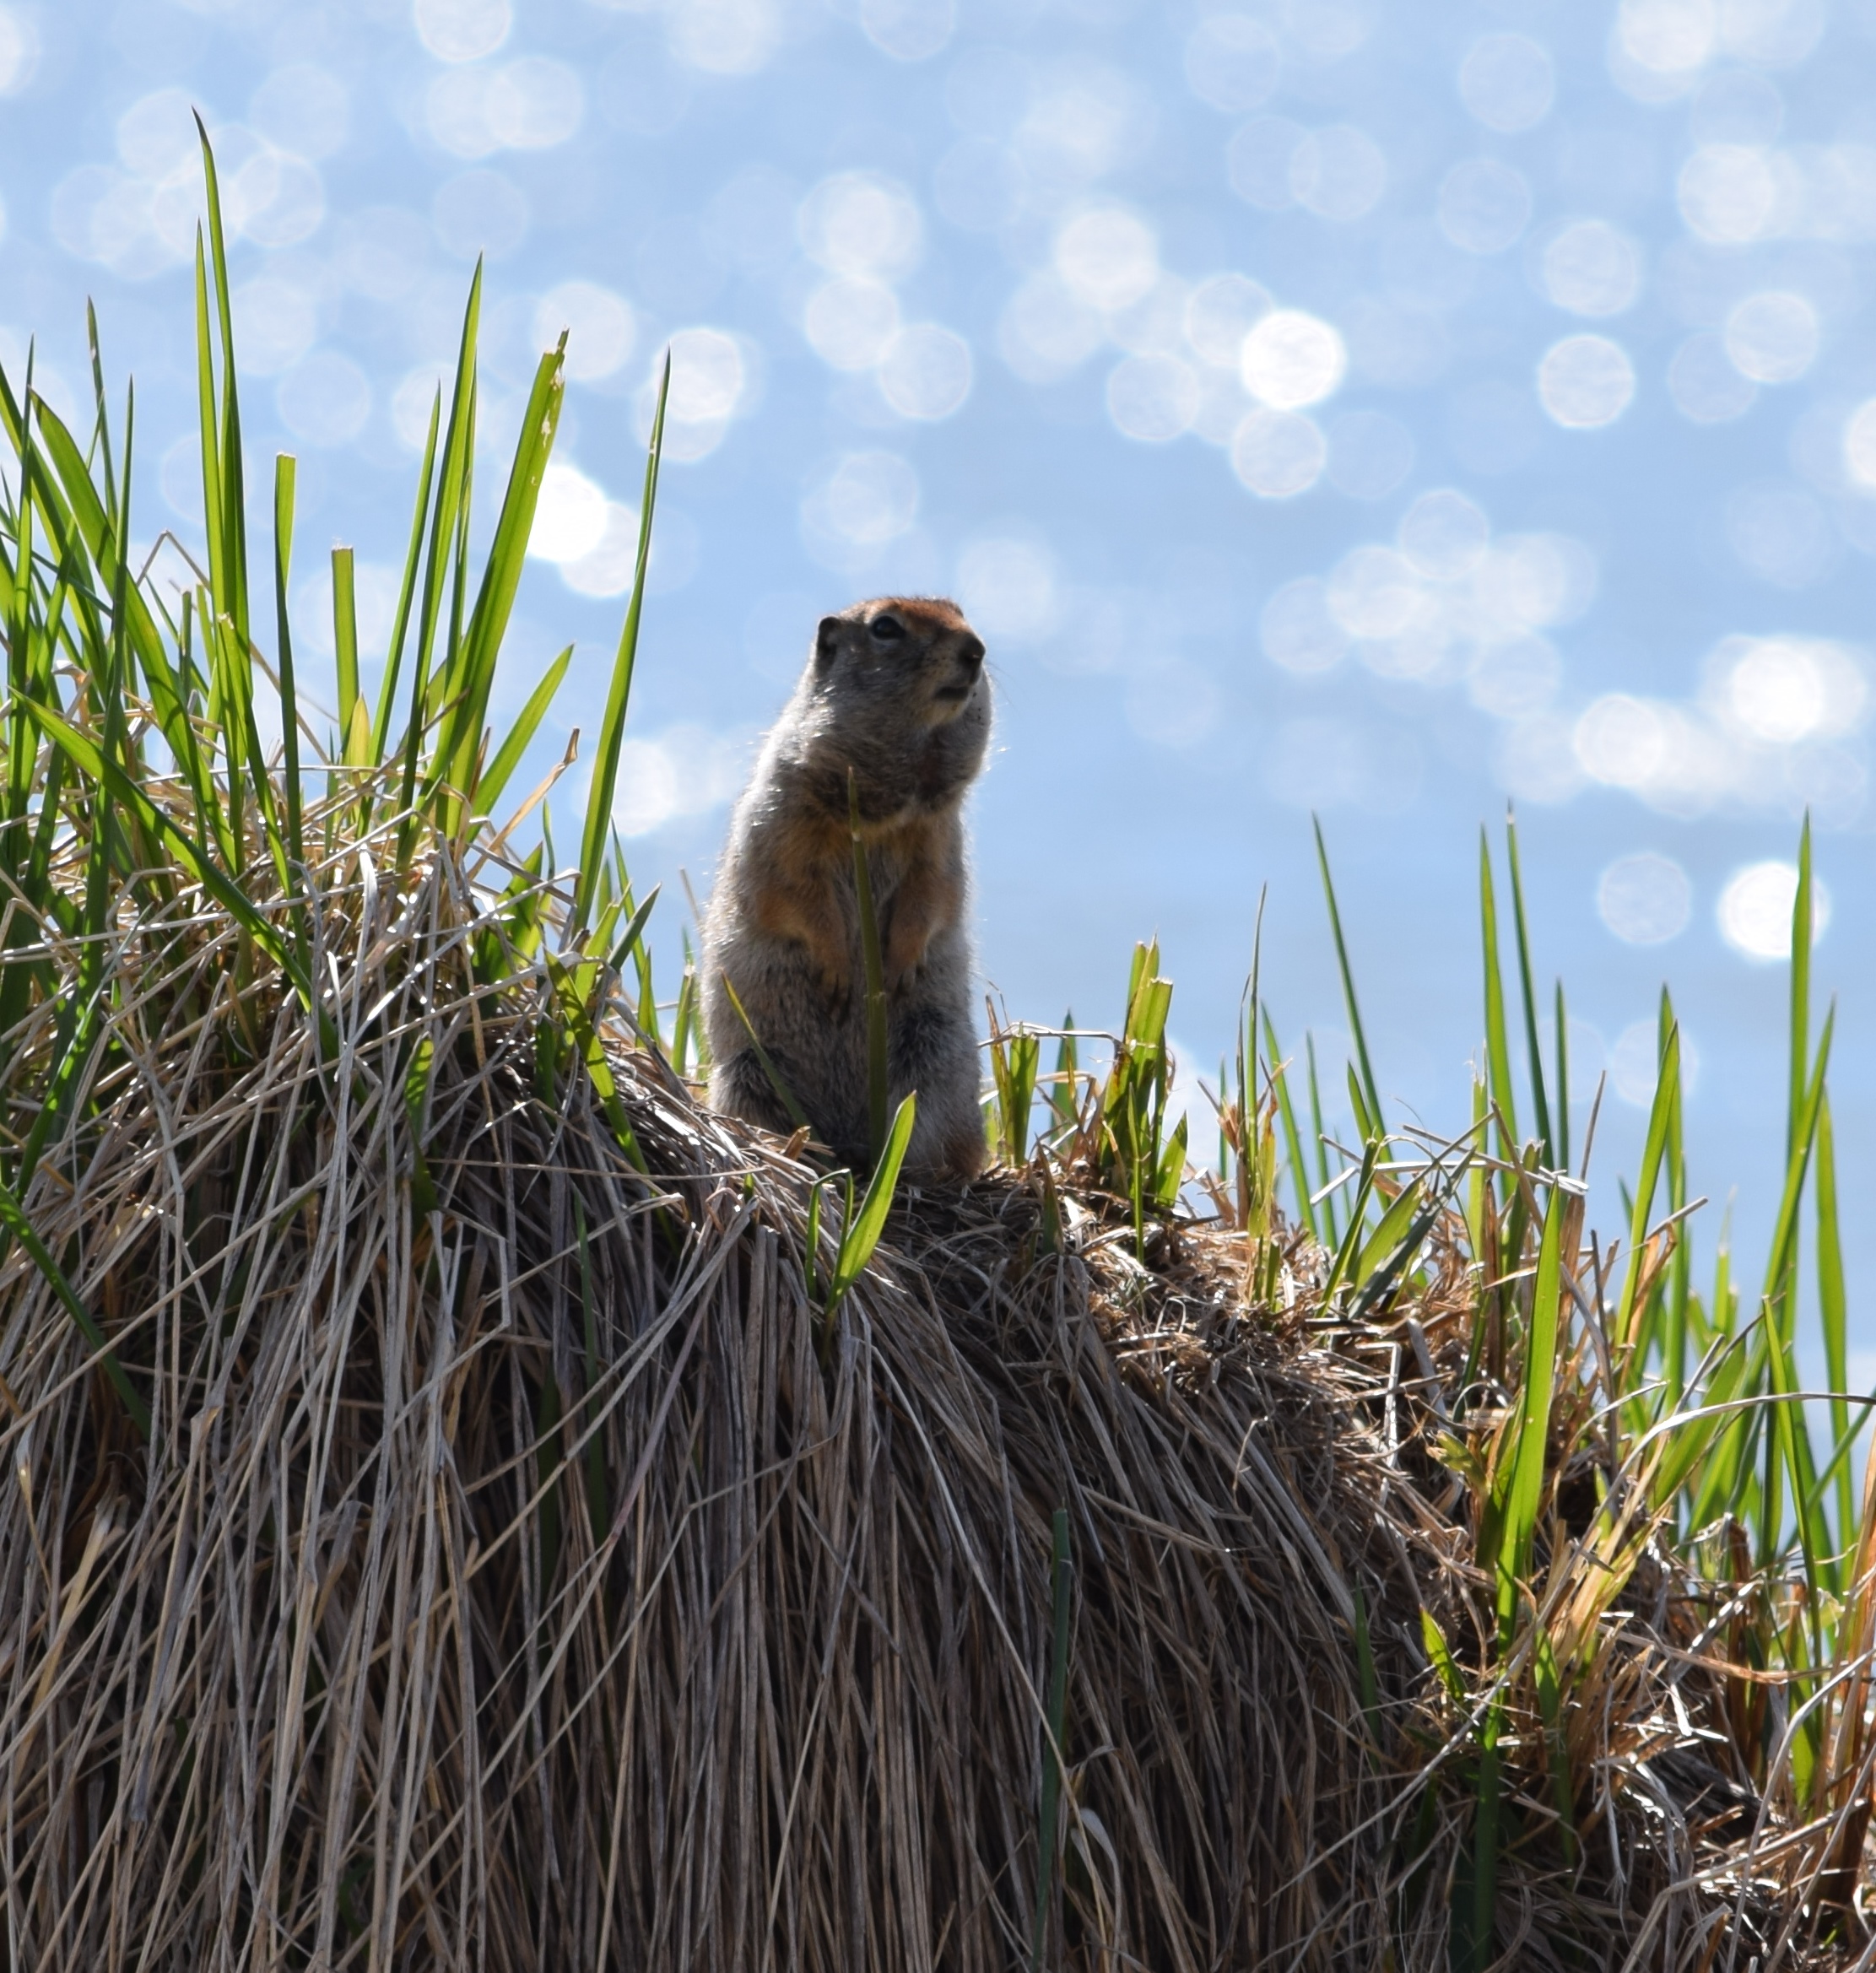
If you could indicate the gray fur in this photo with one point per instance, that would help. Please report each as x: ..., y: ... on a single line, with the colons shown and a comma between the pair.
x: 911, y: 721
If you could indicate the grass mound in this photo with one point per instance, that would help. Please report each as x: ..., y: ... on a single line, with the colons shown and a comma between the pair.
x: 525, y: 1566
x: 465, y: 1504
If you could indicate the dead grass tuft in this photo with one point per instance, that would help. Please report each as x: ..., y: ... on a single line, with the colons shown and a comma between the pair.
x: 521, y: 1572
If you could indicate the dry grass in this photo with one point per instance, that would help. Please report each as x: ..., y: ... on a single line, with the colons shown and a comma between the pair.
x: 522, y: 1572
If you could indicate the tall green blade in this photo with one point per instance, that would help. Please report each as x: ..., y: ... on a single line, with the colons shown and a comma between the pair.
x: 345, y: 649
x: 231, y: 596
x: 414, y: 556
x: 1293, y: 1142
x: 1498, y: 1053
x: 1329, y: 1235
x: 1788, y: 1444
x: 207, y: 425
x: 1677, y: 1290
x: 863, y: 1228
x: 1800, y: 987
x: 612, y: 726
x: 470, y: 675
x: 447, y: 518
x: 284, y: 473
x: 1540, y: 1103
x: 1518, y: 1493
x: 496, y: 775
x: 1833, y: 1312
x: 1369, y: 1087
x: 1667, y: 1099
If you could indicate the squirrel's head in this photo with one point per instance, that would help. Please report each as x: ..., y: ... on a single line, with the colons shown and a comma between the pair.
x: 903, y: 675
x: 916, y: 651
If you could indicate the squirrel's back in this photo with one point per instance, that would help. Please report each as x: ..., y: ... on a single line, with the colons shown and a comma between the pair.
x: 893, y: 705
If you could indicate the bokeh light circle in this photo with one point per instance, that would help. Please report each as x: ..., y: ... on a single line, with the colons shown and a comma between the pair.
x: 1755, y: 909
x: 1586, y: 381
x: 1508, y: 82
x: 908, y: 31
x: 1772, y: 339
x: 1591, y: 267
x: 926, y: 372
x: 1108, y: 257
x: 1278, y: 454
x: 1151, y: 398
x: 1645, y: 898
x: 1232, y: 62
x: 1291, y: 358
x: 1337, y: 173
x: 1859, y: 445
x: 462, y: 31
x: 1298, y: 628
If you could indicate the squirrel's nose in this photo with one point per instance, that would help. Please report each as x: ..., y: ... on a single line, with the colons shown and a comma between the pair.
x: 971, y: 652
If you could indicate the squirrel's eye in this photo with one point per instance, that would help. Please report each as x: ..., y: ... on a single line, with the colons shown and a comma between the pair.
x: 887, y: 629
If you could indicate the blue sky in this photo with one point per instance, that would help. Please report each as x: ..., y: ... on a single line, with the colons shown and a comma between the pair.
x: 1375, y: 410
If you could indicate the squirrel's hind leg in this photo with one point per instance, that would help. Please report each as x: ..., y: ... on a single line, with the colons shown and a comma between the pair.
x: 934, y: 1052
x: 739, y: 1086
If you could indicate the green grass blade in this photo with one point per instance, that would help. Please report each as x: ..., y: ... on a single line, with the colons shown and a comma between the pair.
x: 211, y: 489
x: 861, y: 1234
x: 1667, y: 1099
x: 1518, y: 1493
x: 103, y: 410
x: 345, y: 649
x: 1351, y: 1241
x: 1475, y: 1882
x: 1789, y: 1445
x: 469, y: 677
x: 1278, y: 1074
x: 1065, y: 1088
x: 447, y: 521
x: 414, y: 557
x: 1677, y: 1290
x: 1368, y: 1083
x: 1833, y: 1312
x: 633, y: 932
x: 284, y: 474
x: 231, y: 600
x: 1498, y: 1053
x: 1388, y: 1234
x: 1800, y: 987
x: 496, y: 775
x: 612, y: 726
x: 1330, y: 1236
x: 79, y: 514
x: 1539, y: 1102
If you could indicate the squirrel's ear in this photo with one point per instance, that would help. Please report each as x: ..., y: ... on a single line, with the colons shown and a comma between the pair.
x: 827, y: 641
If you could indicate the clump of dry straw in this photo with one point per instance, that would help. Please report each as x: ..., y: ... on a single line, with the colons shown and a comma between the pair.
x: 523, y: 1569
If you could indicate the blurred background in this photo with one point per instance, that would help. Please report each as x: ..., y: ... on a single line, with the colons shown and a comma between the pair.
x: 1318, y: 405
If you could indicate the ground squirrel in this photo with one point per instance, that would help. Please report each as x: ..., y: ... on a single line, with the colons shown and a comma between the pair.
x: 895, y: 694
